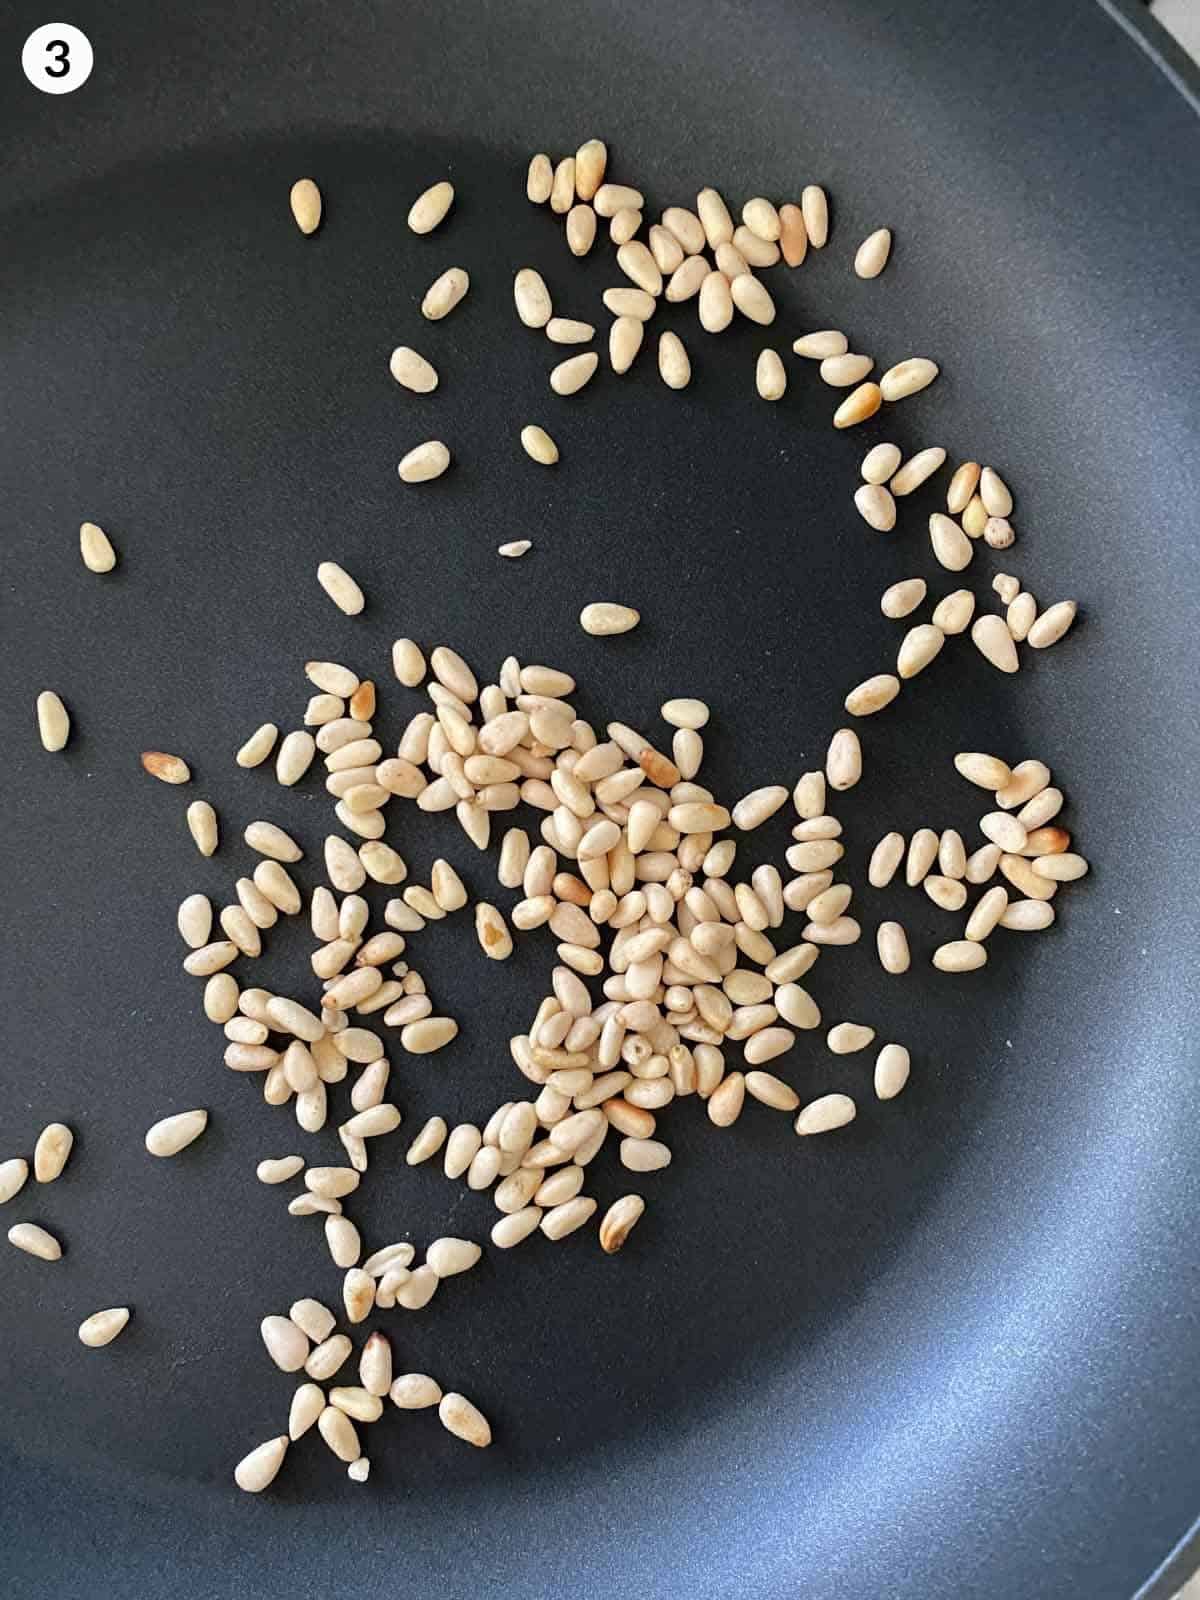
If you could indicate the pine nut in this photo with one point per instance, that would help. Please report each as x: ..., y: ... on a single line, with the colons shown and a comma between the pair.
x: 258, y: 1470
x: 636, y: 262
x: 561, y: 1220
x: 624, y: 225
x: 876, y: 507
x: 51, y: 1151
x: 96, y: 548
x: 613, y: 197
x: 424, y: 462
x: 428, y: 1142
x: 988, y: 910
x: 194, y: 920
x: 619, y: 1222
x: 754, y: 809
x: 819, y: 346
x: 666, y: 249
x: 862, y: 403
x: 13, y: 1174
x: 770, y: 375
x: 166, y: 768
x: 644, y: 1155
x: 305, y: 201
x: 540, y: 179
x: 872, y: 254
x: 995, y: 494
x: 464, y: 1420
x: 1020, y: 615
x: 954, y: 611
x: 843, y: 760
x: 308, y: 1402
x: 258, y: 746
x: 988, y: 772
x: 714, y: 218
x: 982, y: 863
x: 430, y: 208
x: 918, y: 648
x: 885, y: 858
x: 341, y: 588
x: 948, y: 893
x: 1063, y: 867
x: 950, y: 544
x: 624, y: 342
x: 872, y: 695
x: 287, y: 1345
x: 992, y: 639
x: 960, y: 955
x: 1052, y: 624
x: 515, y: 1226
x: 891, y: 942
x: 687, y: 280
x: 412, y: 371
x: 532, y: 298
x: 815, y: 210
x: 1027, y: 916
x: 674, y: 367
x: 444, y: 293
x: 962, y: 488
x: 907, y: 377
x: 280, y: 1169
x: 840, y: 372
x: 922, y: 853
x: 716, y: 303
x: 34, y: 1241
x: 571, y: 375
x: 793, y: 235
x: 338, y: 1432
x: 580, y: 229
x: 173, y: 1134
x: 1041, y: 808
x: 891, y: 1071
x: 102, y: 1327
x: 998, y: 533
x: 844, y: 1038
x: 825, y: 1114
x: 726, y: 1100
x: 1028, y: 779
x: 603, y: 618
x: 917, y: 469
x: 751, y: 299
x: 974, y: 518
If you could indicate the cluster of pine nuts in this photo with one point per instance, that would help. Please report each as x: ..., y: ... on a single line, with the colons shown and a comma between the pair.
x: 630, y: 847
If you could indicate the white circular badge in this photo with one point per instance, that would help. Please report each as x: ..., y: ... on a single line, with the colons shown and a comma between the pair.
x: 57, y: 58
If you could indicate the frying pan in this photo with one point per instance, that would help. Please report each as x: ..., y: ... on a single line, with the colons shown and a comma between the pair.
x: 947, y: 1352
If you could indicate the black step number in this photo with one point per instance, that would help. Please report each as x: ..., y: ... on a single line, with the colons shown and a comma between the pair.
x: 62, y: 61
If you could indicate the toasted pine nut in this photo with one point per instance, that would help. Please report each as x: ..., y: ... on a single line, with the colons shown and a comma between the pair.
x: 862, y: 403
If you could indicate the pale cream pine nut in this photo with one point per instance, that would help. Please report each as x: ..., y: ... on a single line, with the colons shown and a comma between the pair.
x: 430, y: 208
x: 767, y: 1043
x: 102, y: 1327
x: 428, y: 1142
x: 829, y: 905
x: 974, y: 518
x: 1005, y: 830
x: 619, y: 1222
x: 841, y: 372
x: 210, y: 958
x: 338, y: 1432
x: 808, y: 796
x: 342, y: 1237
x: 918, y: 648
x: 948, y: 893
x: 790, y: 965
x: 34, y: 1241
x: 202, y: 825
x: 539, y: 180
x: 954, y: 611
x: 540, y: 447
x: 988, y: 911
x: 392, y: 1255
x: 726, y: 1100
x: 448, y: 1256
x: 872, y: 254
x: 1042, y: 808
x: 220, y: 997
x: 610, y: 198
x: 590, y: 161
x: 917, y: 469
x: 194, y: 920
x: 346, y: 733
x: 1052, y: 624
x: 258, y: 746
x: 962, y: 488
x: 960, y: 955
x: 988, y: 772
x: 907, y: 377
x: 356, y: 1403
x: 1027, y: 916
x: 358, y: 1293
x: 858, y: 406
x: 995, y: 643
x: 761, y: 217
x: 308, y: 1402
x: 287, y: 1345
x: 754, y: 809
x: 995, y: 494
x: 96, y: 548
x: 843, y: 760
x: 624, y: 342
x: 872, y: 695
x: 305, y: 200
x: 261, y: 910
x: 532, y: 298
x: 665, y: 248
x: 687, y: 280
x: 565, y: 330
x: 295, y: 757
x: 415, y: 1391
x: 771, y: 1091
x: 891, y: 1071
x: 1063, y: 867
x: 170, y: 1135
x: 258, y: 1470
x: 982, y: 863
x: 332, y: 1350
x: 581, y: 229
x: 686, y: 226
x: 716, y: 303
x: 636, y: 262
x: 13, y: 1174
x: 444, y: 293
x: 644, y: 1155
x: 815, y: 210
x: 412, y: 371
x: 752, y: 299
x: 770, y: 375
x: 604, y: 617
x: 714, y: 217
x: 273, y: 881
x: 570, y: 376
x: 922, y: 853
x: 952, y: 854
x: 674, y: 367
x: 464, y: 1420
x: 561, y: 1220
x: 424, y: 462
x: 876, y: 507
x: 820, y: 346
x: 825, y: 1114
x: 891, y: 942
x: 1028, y: 778
x: 950, y: 544
x: 341, y: 588
x: 279, y: 1170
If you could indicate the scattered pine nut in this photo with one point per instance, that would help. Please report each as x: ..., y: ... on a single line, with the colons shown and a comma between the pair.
x: 814, y: 208
x: 624, y: 342
x: 173, y: 1134
x: 872, y: 695
x: 96, y: 548
x: 13, y: 1175
x: 793, y: 235
x: 998, y: 532
x: 532, y: 298
x: 994, y: 642
x: 464, y: 1420
x: 444, y: 293
x: 54, y: 725
x: 412, y: 371
x: 572, y: 374
x: 962, y: 488
x: 716, y: 303
x: 954, y: 611
x: 674, y: 367
x: 34, y: 1241
x: 950, y: 544
x: 752, y: 299
x: 518, y: 547
x: 539, y: 180
x: 891, y: 942
x: 562, y: 330
x: 260, y: 1468
x: 430, y: 208
x: 102, y: 1327
x: 824, y: 1115
x: 619, y: 1222
x: 424, y: 462
x: 960, y: 955
x: 872, y: 254
x: 840, y: 372
x: 580, y: 229
x: 258, y: 746
x: 843, y: 760
x: 974, y: 518
x: 1027, y: 916
x: 995, y: 494
x: 891, y: 1071
x: 899, y: 599
x: 918, y: 648
x: 770, y: 375
x: 604, y: 617
x: 907, y: 377
x: 341, y: 588
x: 51, y: 1152
x: 1052, y: 624
x: 876, y: 507
x: 610, y: 198
x: 864, y: 402
x: 917, y: 469
x: 305, y: 201
x: 819, y: 346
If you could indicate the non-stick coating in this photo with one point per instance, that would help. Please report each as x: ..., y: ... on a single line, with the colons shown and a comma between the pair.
x: 949, y: 1352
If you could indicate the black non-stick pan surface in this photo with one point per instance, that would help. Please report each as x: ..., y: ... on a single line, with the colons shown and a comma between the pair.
x: 950, y: 1351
